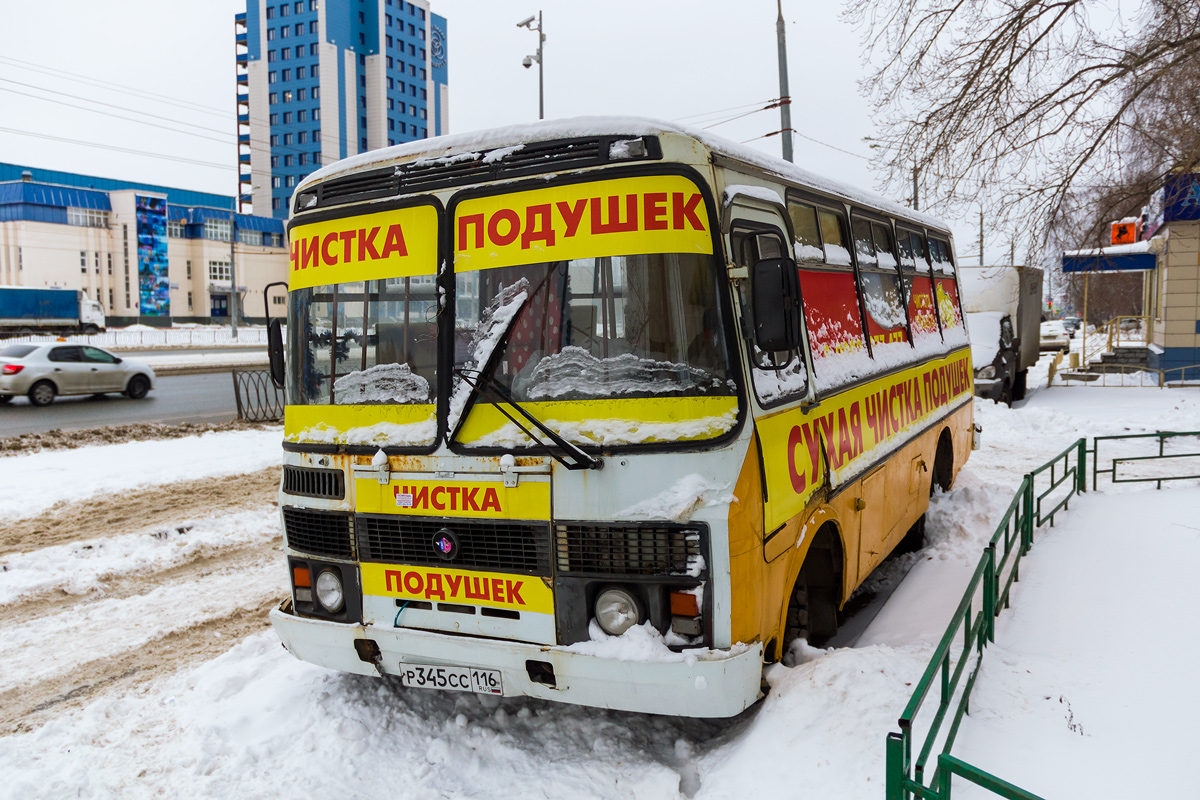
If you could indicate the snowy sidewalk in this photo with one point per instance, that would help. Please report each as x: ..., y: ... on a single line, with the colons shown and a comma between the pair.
x: 1090, y: 689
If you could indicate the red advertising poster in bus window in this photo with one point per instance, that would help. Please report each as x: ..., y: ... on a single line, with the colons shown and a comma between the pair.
x: 885, y: 311
x: 831, y: 311
x: 947, y: 300
x: 920, y: 305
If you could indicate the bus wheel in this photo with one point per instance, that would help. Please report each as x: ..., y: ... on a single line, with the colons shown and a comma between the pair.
x: 943, y: 464
x: 812, y: 612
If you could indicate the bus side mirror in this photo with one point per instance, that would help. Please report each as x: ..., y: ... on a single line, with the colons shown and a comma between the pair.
x: 275, y: 351
x: 775, y: 289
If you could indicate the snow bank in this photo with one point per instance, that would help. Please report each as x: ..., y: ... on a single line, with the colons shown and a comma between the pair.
x: 30, y: 484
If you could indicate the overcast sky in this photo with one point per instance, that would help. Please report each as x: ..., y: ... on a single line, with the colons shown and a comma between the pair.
x: 680, y: 60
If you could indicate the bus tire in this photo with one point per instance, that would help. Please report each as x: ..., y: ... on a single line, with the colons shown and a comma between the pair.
x: 943, y: 464
x: 1019, y: 387
x: 812, y: 612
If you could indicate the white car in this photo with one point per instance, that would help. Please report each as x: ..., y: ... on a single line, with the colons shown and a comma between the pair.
x: 1055, y: 336
x: 41, y: 371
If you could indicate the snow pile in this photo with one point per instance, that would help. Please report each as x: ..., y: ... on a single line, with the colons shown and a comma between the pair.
x: 680, y: 501
x: 574, y: 373
x: 81, y: 567
x: 32, y: 483
x: 985, y: 336
x: 382, y: 383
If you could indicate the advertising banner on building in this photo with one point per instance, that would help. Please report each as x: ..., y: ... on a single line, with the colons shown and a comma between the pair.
x: 154, y: 288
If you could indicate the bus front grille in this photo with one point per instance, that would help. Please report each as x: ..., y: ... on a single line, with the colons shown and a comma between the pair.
x: 318, y: 533
x: 307, y: 482
x: 502, y: 546
x: 628, y: 549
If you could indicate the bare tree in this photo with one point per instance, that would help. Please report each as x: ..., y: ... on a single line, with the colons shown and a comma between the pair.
x: 1034, y: 109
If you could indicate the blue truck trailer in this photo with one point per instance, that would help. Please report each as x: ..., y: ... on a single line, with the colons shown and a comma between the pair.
x: 26, y: 310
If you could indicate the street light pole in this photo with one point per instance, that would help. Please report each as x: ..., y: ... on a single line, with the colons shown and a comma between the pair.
x: 528, y: 60
x: 233, y: 292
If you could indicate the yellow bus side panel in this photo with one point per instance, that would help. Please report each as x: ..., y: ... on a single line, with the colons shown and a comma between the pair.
x: 872, y: 514
x: 851, y: 429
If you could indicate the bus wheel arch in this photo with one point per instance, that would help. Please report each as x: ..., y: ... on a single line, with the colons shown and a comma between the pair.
x: 943, y: 463
x: 815, y: 598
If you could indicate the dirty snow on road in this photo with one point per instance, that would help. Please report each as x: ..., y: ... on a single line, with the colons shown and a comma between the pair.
x: 137, y: 662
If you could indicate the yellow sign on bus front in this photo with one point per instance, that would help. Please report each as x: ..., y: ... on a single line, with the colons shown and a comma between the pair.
x: 627, y: 216
x: 398, y: 243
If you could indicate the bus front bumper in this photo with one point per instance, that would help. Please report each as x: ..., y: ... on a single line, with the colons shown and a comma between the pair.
x: 715, y: 683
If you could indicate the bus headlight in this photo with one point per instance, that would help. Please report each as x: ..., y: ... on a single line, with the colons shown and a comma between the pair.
x: 617, y: 610
x: 329, y: 591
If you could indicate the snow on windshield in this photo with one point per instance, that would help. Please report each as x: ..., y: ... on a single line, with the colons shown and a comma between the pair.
x: 573, y: 372
x: 382, y: 383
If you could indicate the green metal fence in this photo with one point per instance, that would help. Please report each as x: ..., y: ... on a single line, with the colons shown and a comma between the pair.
x: 1162, y: 438
x: 952, y: 670
x: 928, y: 729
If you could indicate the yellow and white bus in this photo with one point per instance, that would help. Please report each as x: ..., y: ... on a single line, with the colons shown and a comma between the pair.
x: 605, y: 412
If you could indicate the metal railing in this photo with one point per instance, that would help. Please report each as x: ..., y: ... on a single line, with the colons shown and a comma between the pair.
x: 258, y: 399
x: 1139, y: 461
x: 1129, y: 376
x: 955, y: 668
x: 955, y: 663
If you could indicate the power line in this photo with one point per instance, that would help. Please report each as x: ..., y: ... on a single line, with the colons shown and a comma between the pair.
x: 774, y: 103
x: 114, y: 148
x: 55, y: 72
x: 723, y: 110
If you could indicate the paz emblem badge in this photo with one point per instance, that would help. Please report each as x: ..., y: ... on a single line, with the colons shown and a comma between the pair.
x: 445, y: 544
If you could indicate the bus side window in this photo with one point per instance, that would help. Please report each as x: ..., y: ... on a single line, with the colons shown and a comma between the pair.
x: 777, y: 377
x: 918, y: 286
x: 808, y: 233
x: 831, y: 311
x: 880, y: 282
x: 947, y: 289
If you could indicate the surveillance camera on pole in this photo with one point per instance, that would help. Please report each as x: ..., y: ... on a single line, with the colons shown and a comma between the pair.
x: 527, y: 62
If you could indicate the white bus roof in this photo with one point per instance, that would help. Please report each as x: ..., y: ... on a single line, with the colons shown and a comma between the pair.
x: 471, y: 146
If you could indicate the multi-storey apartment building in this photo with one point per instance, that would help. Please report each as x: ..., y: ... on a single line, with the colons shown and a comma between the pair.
x: 320, y: 80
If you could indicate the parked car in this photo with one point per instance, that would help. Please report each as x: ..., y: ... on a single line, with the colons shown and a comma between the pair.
x: 1071, y: 324
x: 1054, y: 335
x: 41, y: 371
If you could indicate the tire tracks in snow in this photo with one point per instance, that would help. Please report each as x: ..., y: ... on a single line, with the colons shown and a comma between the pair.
x: 160, y: 506
x: 59, y: 651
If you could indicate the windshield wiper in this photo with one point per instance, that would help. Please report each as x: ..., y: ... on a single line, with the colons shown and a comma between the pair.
x: 486, y: 387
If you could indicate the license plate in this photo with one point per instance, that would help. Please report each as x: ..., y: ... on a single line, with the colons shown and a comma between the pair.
x: 452, y: 679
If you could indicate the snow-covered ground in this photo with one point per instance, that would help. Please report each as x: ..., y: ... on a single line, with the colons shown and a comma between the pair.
x: 246, y: 719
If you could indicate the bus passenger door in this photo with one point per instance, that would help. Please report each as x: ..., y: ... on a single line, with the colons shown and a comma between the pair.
x: 779, y: 384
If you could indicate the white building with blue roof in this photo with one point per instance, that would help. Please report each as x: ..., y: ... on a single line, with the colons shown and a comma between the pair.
x: 150, y: 254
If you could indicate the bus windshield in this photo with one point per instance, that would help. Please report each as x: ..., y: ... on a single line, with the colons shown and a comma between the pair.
x: 604, y: 328
x: 365, y: 343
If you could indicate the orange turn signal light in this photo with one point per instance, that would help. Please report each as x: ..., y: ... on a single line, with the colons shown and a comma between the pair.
x: 301, y: 577
x: 684, y: 604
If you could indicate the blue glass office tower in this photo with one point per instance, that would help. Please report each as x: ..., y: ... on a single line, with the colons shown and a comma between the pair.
x: 319, y: 80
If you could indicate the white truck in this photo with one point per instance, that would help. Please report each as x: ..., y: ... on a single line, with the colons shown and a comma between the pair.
x: 26, y: 310
x: 1004, y: 305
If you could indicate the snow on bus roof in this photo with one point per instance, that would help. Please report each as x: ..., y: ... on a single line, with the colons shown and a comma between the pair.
x: 473, y: 145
